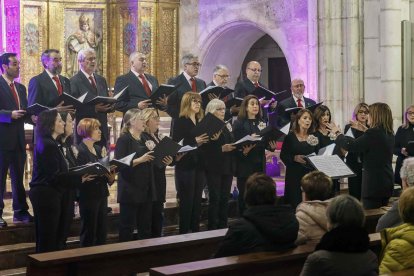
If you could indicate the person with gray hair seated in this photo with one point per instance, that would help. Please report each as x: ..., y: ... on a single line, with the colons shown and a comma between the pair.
x: 344, y: 250
x: 392, y: 218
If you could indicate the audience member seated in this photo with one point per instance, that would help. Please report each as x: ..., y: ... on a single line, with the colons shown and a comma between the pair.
x: 344, y: 250
x: 398, y: 242
x: 264, y: 225
x: 311, y: 213
x: 392, y: 218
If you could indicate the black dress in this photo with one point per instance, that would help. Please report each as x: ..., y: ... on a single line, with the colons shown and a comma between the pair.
x: 254, y: 162
x: 93, y: 201
x: 136, y: 190
x: 402, y: 137
x: 354, y: 162
x: 294, y: 170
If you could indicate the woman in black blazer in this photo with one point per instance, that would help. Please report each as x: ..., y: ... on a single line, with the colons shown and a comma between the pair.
x: 93, y: 194
x: 376, y: 146
x: 251, y: 158
x: 136, y: 188
x: 297, y: 144
x: 405, y: 134
x: 49, y: 184
x: 150, y: 134
x: 219, y: 164
x: 357, y: 126
x: 189, y: 172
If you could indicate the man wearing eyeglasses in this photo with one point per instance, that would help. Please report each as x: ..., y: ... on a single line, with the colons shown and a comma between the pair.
x: 220, y: 78
x: 188, y: 82
x: 297, y: 100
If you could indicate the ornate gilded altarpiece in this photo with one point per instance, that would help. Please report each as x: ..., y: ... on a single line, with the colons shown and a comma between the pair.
x: 114, y: 28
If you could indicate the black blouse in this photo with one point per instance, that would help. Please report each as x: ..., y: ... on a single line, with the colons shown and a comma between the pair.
x: 182, y: 131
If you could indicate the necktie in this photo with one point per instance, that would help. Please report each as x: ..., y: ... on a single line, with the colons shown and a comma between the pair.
x: 300, y: 103
x: 92, y: 82
x: 193, y: 85
x: 15, y: 95
x: 145, y: 84
x: 256, y: 84
x: 58, y: 85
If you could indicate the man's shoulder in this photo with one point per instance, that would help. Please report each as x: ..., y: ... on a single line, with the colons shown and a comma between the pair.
x: 176, y: 79
x: 287, y: 101
x: 309, y: 100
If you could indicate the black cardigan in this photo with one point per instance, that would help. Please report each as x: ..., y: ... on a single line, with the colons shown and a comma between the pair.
x: 182, y: 131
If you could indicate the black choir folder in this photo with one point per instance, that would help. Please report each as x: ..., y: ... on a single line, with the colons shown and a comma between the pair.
x: 295, y: 110
x: 107, y: 100
x: 103, y: 166
x: 210, y: 125
x: 77, y: 102
x: 218, y: 91
x: 232, y: 100
x: 36, y: 109
x: 164, y: 90
x: 166, y: 147
x: 70, y: 100
x: 331, y: 165
x: 270, y: 133
x: 247, y: 140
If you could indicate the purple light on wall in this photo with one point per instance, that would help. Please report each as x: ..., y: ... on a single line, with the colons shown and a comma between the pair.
x: 12, y: 13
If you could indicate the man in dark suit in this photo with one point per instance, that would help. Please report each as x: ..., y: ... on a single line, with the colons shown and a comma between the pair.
x: 220, y: 78
x: 46, y: 87
x: 87, y: 81
x: 297, y: 100
x: 188, y: 82
x: 140, y: 85
x: 13, y: 101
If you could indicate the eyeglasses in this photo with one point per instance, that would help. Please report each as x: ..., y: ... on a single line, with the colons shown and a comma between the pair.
x: 223, y: 76
x: 194, y: 64
x: 196, y: 101
x: 409, y: 113
x: 363, y: 112
x: 255, y: 70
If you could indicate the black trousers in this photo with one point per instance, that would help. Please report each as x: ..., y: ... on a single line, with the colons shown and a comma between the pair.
x: 219, y: 186
x: 241, y: 186
x: 134, y: 215
x: 374, y: 202
x: 53, y: 212
x: 190, y: 185
x: 14, y: 160
x: 354, y: 183
x: 94, y: 220
x: 157, y: 218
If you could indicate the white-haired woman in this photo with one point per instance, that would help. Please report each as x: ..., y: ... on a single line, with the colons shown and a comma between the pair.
x: 219, y: 167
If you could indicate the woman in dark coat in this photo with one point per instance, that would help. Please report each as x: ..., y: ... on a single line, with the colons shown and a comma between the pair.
x: 189, y: 171
x: 405, y: 134
x: 264, y: 226
x: 297, y: 144
x: 151, y: 125
x: 376, y: 146
x: 219, y: 164
x: 251, y: 158
x: 93, y: 194
x: 357, y: 126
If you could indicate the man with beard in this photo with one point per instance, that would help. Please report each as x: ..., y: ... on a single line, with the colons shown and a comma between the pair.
x: 13, y: 101
x: 46, y: 87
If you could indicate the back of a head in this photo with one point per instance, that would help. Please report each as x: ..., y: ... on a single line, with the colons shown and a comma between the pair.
x: 406, y: 205
x: 316, y: 185
x: 407, y: 172
x: 345, y: 210
x: 260, y: 190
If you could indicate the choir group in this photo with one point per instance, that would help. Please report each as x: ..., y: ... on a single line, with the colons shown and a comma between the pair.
x: 69, y: 136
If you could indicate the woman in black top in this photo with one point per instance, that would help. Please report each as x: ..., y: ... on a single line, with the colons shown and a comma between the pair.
x: 357, y: 126
x: 219, y: 164
x: 151, y: 125
x: 405, y: 134
x: 322, y: 117
x: 376, y: 145
x: 49, y: 184
x: 189, y: 173
x: 93, y: 194
x: 297, y: 144
x: 251, y: 158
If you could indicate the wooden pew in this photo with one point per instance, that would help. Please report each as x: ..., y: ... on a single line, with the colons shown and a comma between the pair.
x: 127, y: 257
x: 263, y: 263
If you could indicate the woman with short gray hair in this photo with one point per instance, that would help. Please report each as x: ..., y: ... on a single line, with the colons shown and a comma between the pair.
x: 344, y: 250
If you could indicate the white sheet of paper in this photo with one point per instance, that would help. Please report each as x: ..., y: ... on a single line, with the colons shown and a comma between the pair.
x: 328, y: 150
x: 285, y: 129
x: 331, y: 165
x: 349, y: 133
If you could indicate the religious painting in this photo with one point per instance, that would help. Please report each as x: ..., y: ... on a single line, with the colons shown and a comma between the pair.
x: 83, y: 30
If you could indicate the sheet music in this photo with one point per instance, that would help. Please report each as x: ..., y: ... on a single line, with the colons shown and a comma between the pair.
x: 285, y: 129
x: 331, y: 165
x: 328, y: 150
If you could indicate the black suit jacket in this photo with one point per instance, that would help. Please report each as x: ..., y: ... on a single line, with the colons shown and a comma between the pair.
x: 244, y: 88
x: 282, y: 117
x: 135, y: 92
x: 174, y: 100
x: 79, y: 84
x: 11, y: 131
x: 42, y: 90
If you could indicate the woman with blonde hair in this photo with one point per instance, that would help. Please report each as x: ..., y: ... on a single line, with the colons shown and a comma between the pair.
x: 189, y: 172
x: 376, y: 146
x: 358, y: 125
x: 136, y: 188
x: 403, y: 136
x: 151, y: 134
